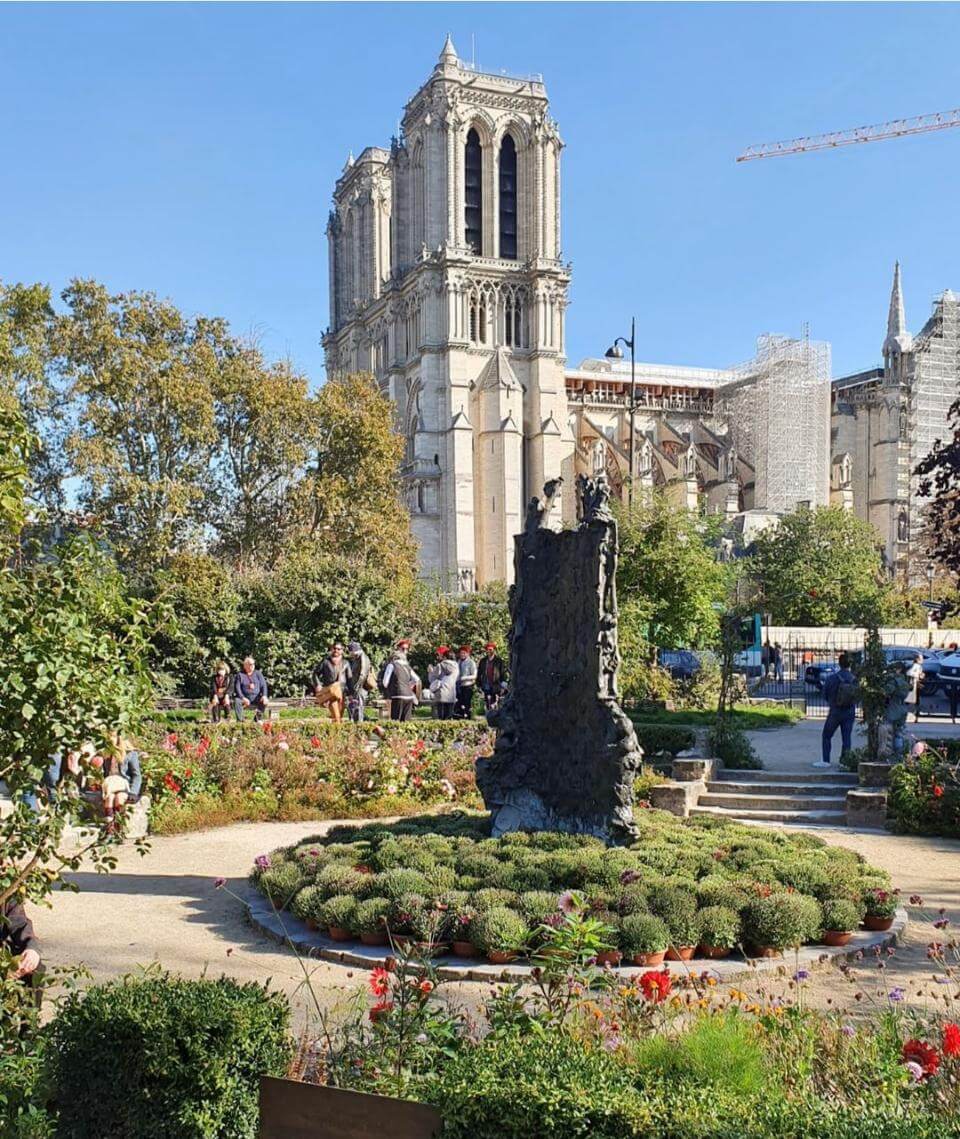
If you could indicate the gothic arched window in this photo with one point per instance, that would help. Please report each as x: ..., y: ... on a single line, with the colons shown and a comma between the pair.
x: 473, y: 193
x: 512, y: 322
x: 508, y: 198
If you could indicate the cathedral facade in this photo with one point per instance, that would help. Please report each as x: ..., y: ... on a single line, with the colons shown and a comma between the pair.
x: 448, y: 284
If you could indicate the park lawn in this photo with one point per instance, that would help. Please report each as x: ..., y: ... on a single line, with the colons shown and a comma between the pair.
x: 748, y: 717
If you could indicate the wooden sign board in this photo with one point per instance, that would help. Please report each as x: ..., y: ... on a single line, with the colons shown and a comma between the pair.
x: 291, y: 1110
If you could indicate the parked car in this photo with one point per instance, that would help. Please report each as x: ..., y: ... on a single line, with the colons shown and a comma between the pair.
x: 904, y: 654
x: 949, y: 669
x: 682, y: 664
x: 817, y: 673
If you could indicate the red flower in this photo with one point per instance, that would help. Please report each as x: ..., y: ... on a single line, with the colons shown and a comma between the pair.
x: 937, y: 790
x: 169, y: 742
x: 170, y: 783
x: 203, y: 747
x: 268, y: 727
x: 656, y: 985
x: 314, y: 741
x: 925, y: 1055
x: 379, y: 982
x: 951, y: 1040
x: 425, y: 986
x: 380, y: 1009
x: 188, y: 774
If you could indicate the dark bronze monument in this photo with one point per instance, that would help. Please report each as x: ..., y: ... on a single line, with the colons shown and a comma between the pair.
x: 566, y: 754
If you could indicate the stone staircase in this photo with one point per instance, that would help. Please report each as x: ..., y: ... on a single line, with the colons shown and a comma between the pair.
x: 810, y: 797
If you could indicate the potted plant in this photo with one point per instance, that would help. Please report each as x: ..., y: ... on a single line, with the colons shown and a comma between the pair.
x: 684, y: 937
x: 779, y: 921
x: 881, y: 907
x: 460, y: 930
x: 369, y: 921
x: 501, y: 933
x: 335, y: 916
x: 719, y: 931
x: 306, y: 905
x: 840, y: 919
x: 412, y: 920
x: 611, y: 954
x: 644, y: 939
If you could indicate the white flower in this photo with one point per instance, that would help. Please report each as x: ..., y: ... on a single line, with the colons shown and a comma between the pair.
x: 283, y: 745
x: 391, y: 788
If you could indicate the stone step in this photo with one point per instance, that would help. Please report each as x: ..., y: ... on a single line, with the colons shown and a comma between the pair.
x: 820, y: 818
x: 729, y: 787
x: 774, y: 802
x: 848, y: 778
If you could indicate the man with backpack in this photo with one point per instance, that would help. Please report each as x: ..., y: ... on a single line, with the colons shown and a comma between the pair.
x: 840, y: 690
x: 400, y: 684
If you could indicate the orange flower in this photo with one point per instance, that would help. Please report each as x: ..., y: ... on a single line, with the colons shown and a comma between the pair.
x: 951, y: 1040
x: 379, y: 982
x: 425, y: 986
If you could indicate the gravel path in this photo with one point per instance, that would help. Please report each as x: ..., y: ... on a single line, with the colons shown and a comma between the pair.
x: 163, y: 907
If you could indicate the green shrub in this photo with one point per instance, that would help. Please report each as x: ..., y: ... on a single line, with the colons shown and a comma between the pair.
x: 643, y: 933
x: 671, y: 738
x: 486, y: 899
x: 716, y: 891
x: 671, y: 903
x: 719, y: 927
x: 880, y: 903
x: 536, y: 905
x: 721, y: 1053
x: 500, y: 930
x: 781, y: 921
x: 732, y: 747
x: 306, y: 903
x: 633, y: 900
x: 393, y: 884
x: 840, y: 914
x: 281, y: 883
x: 370, y: 916
x: 337, y: 911
x: 157, y: 1056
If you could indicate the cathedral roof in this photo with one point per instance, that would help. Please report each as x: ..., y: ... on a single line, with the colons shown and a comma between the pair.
x: 449, y: 53
x: 898, y: 339
x: 497, y: 373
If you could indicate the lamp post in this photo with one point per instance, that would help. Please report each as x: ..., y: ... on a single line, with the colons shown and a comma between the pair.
x: 615, y: 352
x: 931, y: 573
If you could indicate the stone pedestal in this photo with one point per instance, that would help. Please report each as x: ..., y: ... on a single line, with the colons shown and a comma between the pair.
x: 867, y: 809
x: 875, y: 774
x: 566, y: 754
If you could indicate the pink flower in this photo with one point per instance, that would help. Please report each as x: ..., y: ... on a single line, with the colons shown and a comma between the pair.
x: 283, y: 745
x: 918, y: 749
x: 567, y: 902
x: 219, y: 883
x: 262, y: 862
x: 169, y: 742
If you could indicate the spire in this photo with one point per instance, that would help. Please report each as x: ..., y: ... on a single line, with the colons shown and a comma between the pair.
x: 449, y: 53
x: 898, y: 339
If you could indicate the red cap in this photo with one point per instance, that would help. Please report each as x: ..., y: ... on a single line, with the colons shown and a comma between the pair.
x: 466, y: 649
x: 489, y: 645
x: 442, y: 650
x: 403, y: 644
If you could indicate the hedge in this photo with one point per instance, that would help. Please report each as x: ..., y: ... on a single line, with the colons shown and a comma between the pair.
x: 158, y: 1056
x: 672, y: 738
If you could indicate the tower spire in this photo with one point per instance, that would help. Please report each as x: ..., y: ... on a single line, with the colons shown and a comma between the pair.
x: 898, y: 339
x: 449, y: 53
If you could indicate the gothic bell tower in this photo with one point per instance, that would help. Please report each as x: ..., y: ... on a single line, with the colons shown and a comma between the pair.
x: 461, y: 308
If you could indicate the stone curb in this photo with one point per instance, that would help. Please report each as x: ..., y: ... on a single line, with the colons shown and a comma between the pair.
x: 292, y: 932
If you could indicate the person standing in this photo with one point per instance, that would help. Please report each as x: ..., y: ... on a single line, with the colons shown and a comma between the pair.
x: 330, y: 680
x: 442, y: 679
x: 17, y: 937
x: 492, y: 676
x: 249, y: 690
x: 219, y: 705
x: 401, y: 685
x: 840, y: 690
x: 777, y: 662
x: 915, y: 677
x: 466, y: 683
x: 359, y: 682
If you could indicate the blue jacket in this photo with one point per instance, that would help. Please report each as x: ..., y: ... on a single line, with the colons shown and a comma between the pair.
x: 833, y: 682
x: 252, y: 687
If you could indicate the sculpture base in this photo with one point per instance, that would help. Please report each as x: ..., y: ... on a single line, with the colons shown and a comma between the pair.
x: 524, y: 810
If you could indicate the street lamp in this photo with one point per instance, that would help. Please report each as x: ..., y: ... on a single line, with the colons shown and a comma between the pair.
x: 931, y: 573
x: 615, y: 352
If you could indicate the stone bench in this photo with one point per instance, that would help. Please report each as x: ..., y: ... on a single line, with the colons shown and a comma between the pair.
x: 875, y: 774
x: 690, y: 776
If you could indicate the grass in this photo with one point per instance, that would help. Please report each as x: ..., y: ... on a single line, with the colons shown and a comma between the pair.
x: 748, y: 717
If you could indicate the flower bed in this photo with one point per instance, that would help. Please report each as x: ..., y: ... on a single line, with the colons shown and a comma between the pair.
x: 687, y: 885
x: 924, y: 795
x: 204, y: 775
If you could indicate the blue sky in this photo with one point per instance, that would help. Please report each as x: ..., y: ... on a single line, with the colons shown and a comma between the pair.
x: 192, y: 150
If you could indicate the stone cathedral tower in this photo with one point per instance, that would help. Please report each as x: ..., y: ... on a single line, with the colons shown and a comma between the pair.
x: 446, y: 282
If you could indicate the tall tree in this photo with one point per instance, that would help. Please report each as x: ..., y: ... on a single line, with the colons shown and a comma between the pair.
x: 350, y: 500
x: 267, y: 425
x: 940, y: 482
x: 821, y: 567
x: 141, y: 374
x: 668, y: 574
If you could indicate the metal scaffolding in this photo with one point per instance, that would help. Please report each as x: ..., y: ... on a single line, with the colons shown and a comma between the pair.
x: 777, y: 412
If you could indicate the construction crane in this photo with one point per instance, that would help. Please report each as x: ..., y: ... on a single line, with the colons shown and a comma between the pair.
x: 922, y: 124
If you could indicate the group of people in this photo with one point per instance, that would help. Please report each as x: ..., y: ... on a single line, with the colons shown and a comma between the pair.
x: 110, y: 775
x: 771, y: 661
x: 345, y: 679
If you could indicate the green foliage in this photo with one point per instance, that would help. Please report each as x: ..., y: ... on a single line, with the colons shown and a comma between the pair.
x: 643, y: 933
x: 654, y: 738
x: 668, y: 568
x: 719, y: 927
x: 500, y: 930
x: 924, y: 795
x: 337, y: 911
x: 840, y: 914
x: 154, y: 1056
x: 16, y: 446
x: 722, y: 1053
x: 370, y: 916
x: 438, y: 618
x: 731, y: 746
x: 821, y: 567
x: 781, y: 921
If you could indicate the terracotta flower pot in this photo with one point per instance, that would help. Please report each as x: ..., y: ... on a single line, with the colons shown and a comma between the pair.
x: 764, y: 951
x: 500, y: 956
x: 609, y: 957
x: 311, y: 924
x: 836, y: 936
x: 714, y: 952
x: 377, y: 938
x: 681, y: 952
x: 877, y: 924
x: 337, y: 933
x: 649, y: 959
x: 465, y: 949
